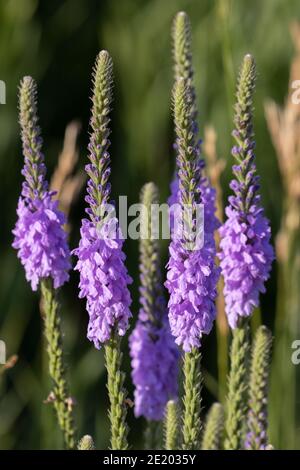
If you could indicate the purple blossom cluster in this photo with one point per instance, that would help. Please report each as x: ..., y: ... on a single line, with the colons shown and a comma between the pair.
x: 191, y: 280
x: 103, y: 280
x: 154, y: 368
x: 246, y: 257
x: 41, y: 241
x: 103, y: 275
x: 192, y: 277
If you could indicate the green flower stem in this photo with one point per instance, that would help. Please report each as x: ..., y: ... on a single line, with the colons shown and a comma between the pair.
x: 257, y: 423
x: 171, y: 426
x: 214, y: 427
x: 192, y: 400
x: 60, y: 397
x: 117, y: 394
x: 237, y: 388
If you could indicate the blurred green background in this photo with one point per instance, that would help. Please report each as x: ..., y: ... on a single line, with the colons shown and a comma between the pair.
x: 56, y: 42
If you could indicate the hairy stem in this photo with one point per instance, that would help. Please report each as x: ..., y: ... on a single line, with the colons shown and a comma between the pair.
x: 117, y: 394
x: 257, y: 422
x: 192, y: 400
x: 237, y: 388
x: 60, y: 397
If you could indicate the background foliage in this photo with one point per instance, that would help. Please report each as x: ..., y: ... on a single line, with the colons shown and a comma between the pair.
x: 56, y: 42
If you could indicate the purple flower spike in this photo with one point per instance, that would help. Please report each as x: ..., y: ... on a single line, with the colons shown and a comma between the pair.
x: 246, y: 259
x: 191, y: 281
x: 192, y: 274
x: 155, y: 368
x: 41, y: 241
x: 103, y: 275
x: 39, y: 236
x: 152, y: 348
x: 246, y: 254
x: 103, y: 282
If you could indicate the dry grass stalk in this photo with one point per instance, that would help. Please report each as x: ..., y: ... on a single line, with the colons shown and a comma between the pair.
x: 67, y: 184
x: 284, y: 127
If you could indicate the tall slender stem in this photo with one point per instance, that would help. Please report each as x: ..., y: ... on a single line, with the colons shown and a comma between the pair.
x: 117, y: 394
x: 61, y: 399
x: 257, y: 421
x: 192, y: 400
x: 237, y: 388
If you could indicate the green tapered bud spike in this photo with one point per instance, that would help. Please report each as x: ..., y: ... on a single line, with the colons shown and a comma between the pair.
x: 257, y: 422
x: 86, y: 443
x: 102, y: 92
x: 182, y: 46
x: 187, y: 157
x: 171, y: 426
x: 243, y: 151
x: 32, y: 142
x: 187, y: 145
x: 182, y: 53
x: 244, y: 95
x: 192, y: 400
x: 243, y: 117
x: 236, y: 404
x: 150, y: 270
x: 98, y: 170
x: 214, y: 427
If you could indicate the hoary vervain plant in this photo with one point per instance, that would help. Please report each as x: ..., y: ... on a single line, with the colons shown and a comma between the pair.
x: 192, y: 274
x: 103, y: 275
x: 42, y: 248
x: 246, y: 254
x: 152, y: 349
